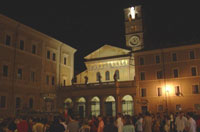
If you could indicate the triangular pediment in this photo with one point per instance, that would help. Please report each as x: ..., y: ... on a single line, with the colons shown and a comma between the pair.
x: 107, y: 51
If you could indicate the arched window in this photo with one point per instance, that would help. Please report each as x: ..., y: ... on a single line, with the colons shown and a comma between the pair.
x: 117, y: 74
x: 110, y: 106
x: 107, y: 75
x: 95, y: 106
x: 81, y: 106
x: 68, y: 103
x: 127, y: 105
x: 98, y: 76
x: 30, y: 103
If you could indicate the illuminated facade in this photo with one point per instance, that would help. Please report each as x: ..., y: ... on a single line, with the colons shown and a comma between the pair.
x: 32, y: 66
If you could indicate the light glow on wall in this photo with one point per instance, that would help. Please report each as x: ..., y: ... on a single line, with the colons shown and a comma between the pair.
x: 168, y: 88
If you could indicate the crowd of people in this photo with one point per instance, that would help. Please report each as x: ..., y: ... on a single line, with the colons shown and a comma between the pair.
x: 159, y: 122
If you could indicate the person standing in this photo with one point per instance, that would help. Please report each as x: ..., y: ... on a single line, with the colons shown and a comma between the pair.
x: 101, y: 124
x: 181, y: 122
x: 128, y: 126
x: 191, y: 125
x: 110, y: 127
x: 147, y: 122
x: 119, y: 122
x: 138, y: 123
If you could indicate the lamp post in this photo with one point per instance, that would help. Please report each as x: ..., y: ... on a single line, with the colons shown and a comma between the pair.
x: 167, y: 89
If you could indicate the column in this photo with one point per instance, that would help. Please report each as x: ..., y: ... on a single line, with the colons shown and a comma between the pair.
x: 102, y: 106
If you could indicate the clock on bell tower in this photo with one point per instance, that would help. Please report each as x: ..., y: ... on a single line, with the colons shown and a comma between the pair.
x: 134, y: 27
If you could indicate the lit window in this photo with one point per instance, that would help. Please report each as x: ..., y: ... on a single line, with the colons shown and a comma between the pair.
x: 174, y: 57
x: 19, y: 74
x: 107, y: 75
x: 21, y: 44
x: 8, y: 40
x: 192, y: 56
x: 157, y: 59
x: 5, y: 70
x: 54, y: 56
x: 159, y: 91
x: 48, y: 54
x: 33, y: 49
x: 175, y: 71
x: 141, y: 61
x: 2, y: 101
x: 18, y: 102
x: 142, y: 76
x: 195, y: 89
x: 143, y: 92
x: 194, y: 71
x: 159, y: 74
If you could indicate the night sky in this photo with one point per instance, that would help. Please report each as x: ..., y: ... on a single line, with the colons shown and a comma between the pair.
x: 86, y: 25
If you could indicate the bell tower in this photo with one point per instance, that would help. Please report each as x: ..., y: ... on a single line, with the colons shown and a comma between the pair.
x: 134, y: 27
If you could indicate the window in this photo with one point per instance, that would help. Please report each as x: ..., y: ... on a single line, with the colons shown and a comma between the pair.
x: 33, y: 49
x: 159, y: 91
x: 48, y: 54
x: 141, y: 61
x: 159, y: 74
x: 192, y: 55
x: 117, y: 74
x: 98, y: 76
x: 19, y: 74
x: 195, y: 89
x: 21, y: 44
x: 157, y: 59
x: 178, y: 107
x: 177, y: 90
x: 8, y: 39
x: 194, y: 71
x: 142, y: 76
x: 174, y: 57
x: 5, y: 70
x: 53, y: 80
x: 175, y: 71
x: 65, y: 60
x: 2, y: 101
x: 47, y: 79
x: 54, y: 56
x: 32, y: 76
x: 30, y: 103
x: 18, y: 102
x: 160, y: 108
x: 107, y: 75
x: 143, y: 92
x: 64, y: 82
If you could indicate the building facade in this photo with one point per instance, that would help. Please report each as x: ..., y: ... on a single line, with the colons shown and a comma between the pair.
x: 33, y: 65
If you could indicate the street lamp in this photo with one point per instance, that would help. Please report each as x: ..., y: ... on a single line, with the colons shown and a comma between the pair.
x: 168, y: 88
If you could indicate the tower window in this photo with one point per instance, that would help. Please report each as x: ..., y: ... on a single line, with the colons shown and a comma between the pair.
x: 159, y: 91
x: 174, y: 57
x: 19, y: 74
x: 141, y: 61
x: 159, y: 74
x: 194, y: 71
x: 192, y: 56
x: 21, y: 44
x: 195, y: 89
x: 8, y: 40
x: 48, y: 54
x: 34, y: 49
x: 54, y: 56
x: 175, y: 71
x: 157, y: 59
x: 65, y: 60
x: 5, y: 70
x: 142, y: 76
x: 143, y: 92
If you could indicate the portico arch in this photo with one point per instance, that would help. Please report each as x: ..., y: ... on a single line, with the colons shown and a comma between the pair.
x: 68, y: 103
x: 81, y: 106
x: 110, y: 108
x: 95, y: 106
x: 127, y: 105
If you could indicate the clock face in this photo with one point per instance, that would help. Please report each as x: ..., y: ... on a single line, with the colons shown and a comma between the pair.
x: 134, y: 40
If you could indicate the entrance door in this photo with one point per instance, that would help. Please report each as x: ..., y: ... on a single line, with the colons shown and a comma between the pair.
x: 144, y: 109
x: 81, y: 111
x: 108, y: 108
